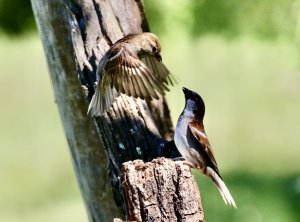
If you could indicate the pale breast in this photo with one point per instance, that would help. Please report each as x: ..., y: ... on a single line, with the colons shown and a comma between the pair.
x: 180, y: 139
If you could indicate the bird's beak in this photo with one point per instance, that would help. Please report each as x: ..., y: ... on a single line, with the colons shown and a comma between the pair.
x: 158, y: 56
x: 187, y: 93
x: 185, y: 90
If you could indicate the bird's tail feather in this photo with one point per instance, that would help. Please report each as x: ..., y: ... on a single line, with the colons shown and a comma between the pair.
x: 101, y: 103
x: 228, y: 199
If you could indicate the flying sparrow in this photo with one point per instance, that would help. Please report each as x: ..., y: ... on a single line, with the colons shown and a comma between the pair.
x: 132, y: 66
x: 192, y: 142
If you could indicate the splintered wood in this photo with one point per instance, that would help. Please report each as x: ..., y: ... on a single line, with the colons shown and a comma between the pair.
x: 161, y: 190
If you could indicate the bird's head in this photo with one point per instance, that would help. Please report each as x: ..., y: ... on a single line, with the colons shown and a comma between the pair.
x: 151, y: 45
x: 194, y: 104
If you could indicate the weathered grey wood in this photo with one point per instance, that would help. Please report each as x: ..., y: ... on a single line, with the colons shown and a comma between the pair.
x: 75, y: 35
x: 66, y: 59
x: 161, y: 190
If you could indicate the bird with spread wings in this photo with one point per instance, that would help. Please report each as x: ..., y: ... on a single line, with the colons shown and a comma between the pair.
x: 132, y: 66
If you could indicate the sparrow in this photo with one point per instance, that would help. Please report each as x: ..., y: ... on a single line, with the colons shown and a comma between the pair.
x: 192, y: 142
x: 132, y: 66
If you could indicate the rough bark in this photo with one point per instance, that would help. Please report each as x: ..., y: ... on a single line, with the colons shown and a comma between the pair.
x: 161, y: 190
x: 75, y: 35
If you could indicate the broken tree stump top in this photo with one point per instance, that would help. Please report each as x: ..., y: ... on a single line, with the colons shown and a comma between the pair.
x: 161, y: 190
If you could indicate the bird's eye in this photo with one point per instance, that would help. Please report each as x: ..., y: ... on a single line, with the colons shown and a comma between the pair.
x: 153, y: 49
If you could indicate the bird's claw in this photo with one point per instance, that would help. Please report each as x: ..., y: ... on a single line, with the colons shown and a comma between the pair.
x: 188, y: 164
x: 185, y: 162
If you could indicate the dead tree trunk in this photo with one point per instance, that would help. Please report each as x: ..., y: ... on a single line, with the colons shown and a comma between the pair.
x: 161, y: 190
x: 75, y: 35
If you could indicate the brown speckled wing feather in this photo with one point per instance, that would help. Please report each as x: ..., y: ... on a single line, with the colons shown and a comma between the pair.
x: 128, y: 75
x: 197, y: 130
x: 158, y: 69
x: 123, y: 72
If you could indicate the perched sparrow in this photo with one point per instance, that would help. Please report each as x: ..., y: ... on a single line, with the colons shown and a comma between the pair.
x: 132, y: 66
x: 192, y: 142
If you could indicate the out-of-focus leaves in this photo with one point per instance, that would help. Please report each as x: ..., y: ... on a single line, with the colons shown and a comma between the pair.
x: 259, y: 197
x: 261, y: 18
x: 16, y: 16
x: 213, y: 16
x: 155, y: 15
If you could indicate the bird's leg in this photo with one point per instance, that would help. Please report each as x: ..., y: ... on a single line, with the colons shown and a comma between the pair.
x: 185, y: 162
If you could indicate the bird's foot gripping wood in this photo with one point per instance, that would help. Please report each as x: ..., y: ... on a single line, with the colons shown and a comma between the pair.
x: 185, y: 162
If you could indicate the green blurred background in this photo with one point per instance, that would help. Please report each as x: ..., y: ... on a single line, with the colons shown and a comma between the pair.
x: 241, y: 56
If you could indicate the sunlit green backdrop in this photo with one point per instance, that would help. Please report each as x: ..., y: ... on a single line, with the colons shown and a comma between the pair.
x: 242, y: 57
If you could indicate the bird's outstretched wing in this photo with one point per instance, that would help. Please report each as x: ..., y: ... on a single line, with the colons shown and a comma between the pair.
x: 124, y: 73
x: 158, y: 69
x: 197, y: 130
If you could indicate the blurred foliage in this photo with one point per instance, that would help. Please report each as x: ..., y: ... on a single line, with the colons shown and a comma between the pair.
x: 262, y: 18
x: 266, y: 18
x: 16, y: 16
x: 259, y: 197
